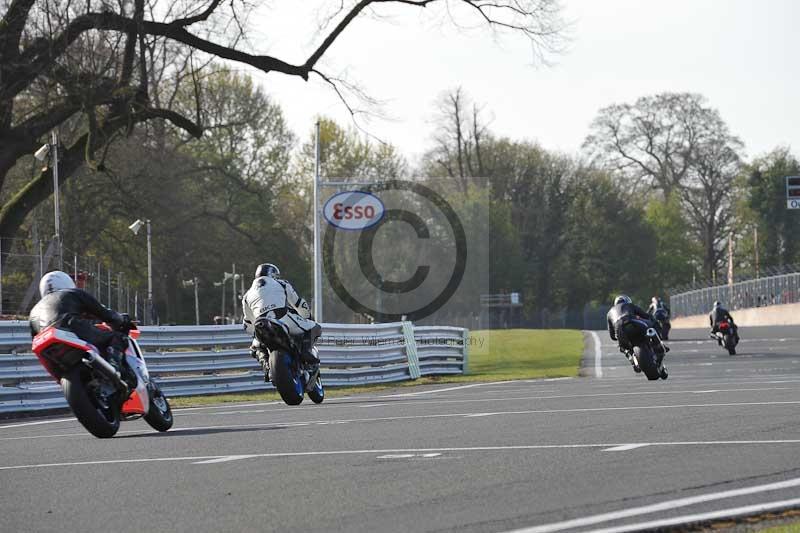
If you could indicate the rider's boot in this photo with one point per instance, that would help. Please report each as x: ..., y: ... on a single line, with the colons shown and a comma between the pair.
x: 632, y: 360
x: 263, y: 360
x: 308, y: 355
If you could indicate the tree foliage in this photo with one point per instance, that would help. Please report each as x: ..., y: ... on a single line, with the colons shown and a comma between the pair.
x: 779, y: 228
x: 674, y: 143
x: 107, y: 66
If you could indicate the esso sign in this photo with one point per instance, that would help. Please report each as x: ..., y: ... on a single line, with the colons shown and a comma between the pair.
x: 353, y: 210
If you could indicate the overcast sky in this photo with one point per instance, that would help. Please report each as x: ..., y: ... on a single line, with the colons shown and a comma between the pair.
x: 743, y: 55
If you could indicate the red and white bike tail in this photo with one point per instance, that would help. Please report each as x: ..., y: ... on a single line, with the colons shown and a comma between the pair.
x: 96, y: 392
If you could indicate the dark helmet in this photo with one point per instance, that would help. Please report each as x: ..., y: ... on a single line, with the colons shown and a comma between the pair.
x: 622, y: 299
x: 717, y: 304
x: 267, y: 269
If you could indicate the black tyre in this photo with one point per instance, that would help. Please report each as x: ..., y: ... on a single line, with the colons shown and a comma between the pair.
x: 317, y: 392
x: 285, y: 378
x: 101, y: 418
x: 647, y: 361
x: 730, y: 344
x: 159, y: 415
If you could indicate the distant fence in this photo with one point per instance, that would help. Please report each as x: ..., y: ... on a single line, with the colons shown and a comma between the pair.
x: 773, y: 290
x: 199, y: 360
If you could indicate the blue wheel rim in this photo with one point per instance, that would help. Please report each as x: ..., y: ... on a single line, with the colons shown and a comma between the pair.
x: 296, y: 378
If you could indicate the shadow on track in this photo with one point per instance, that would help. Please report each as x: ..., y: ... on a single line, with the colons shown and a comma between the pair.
x: 178, y: 432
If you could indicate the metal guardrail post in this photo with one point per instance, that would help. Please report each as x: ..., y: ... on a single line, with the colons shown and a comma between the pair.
x: 465, y: 352
x: 411, y: 350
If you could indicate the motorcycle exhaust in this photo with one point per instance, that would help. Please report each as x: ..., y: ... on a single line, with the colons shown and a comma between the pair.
x: 101, y: 365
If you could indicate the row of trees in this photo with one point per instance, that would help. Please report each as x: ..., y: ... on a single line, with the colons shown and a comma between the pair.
x: 638, y: 216
x: 652, y: 202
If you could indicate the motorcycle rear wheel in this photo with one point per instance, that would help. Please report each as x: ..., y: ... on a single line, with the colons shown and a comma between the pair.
x: 730, y: 344
x: 647, y: 362
x: 284, y: 377
x: 100, y: 420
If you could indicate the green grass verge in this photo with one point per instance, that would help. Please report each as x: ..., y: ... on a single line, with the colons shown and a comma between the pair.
x: 786, y: 528
x: 494, y: 355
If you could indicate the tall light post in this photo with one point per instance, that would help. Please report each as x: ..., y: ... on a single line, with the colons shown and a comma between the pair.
x: 225, y: 277
x: 317, y: 243
x: 194, y: 283
x: 51, y: 149
x: 135, y: 227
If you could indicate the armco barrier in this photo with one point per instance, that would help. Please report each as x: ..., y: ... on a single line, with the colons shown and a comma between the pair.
x: 195, y: 360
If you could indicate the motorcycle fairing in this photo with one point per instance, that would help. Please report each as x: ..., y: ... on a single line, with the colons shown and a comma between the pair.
x: 139, y: 401
x: 53, y: 336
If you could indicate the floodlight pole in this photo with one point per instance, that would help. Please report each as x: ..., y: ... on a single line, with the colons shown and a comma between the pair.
x: 149, y: 311
x: 196, y: 303
x: 317, y: 249
x: 233, y: 292
x: 56, y: 198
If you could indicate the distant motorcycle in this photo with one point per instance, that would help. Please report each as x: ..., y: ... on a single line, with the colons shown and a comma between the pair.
x: 289, y: 374
x: 648, y: 350
x: 97, y: 394
x: 662, y: 324
x: 726, y: 338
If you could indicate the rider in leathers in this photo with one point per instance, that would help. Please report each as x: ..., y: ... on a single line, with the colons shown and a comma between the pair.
x: 657, y: 303
x: 717, y: 315
x: 623, y: 313
x: 64, y: 305
x: 271, y: 297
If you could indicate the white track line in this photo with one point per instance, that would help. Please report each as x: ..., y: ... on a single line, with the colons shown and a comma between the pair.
x: 412, y: 401
x: 702, y: 517
x: 208, y: 459
x: 434, y: 391
x: 658, y: 507
x: 598, y: 355
x: 37, y: 423
x: 626, y: 447
x: 437, y: 416
x: 225, y: 459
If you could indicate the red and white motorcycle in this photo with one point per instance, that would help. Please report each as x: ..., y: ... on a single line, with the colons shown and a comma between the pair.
x: 94, y: 390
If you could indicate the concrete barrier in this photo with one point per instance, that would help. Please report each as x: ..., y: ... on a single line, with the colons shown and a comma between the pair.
x: 773, y: 315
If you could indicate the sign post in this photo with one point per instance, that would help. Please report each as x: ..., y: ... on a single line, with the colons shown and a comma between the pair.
x: 793, y: 192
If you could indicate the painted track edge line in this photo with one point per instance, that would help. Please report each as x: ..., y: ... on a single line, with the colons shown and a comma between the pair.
x: 664, y: 505
x: 703, y: 517
x: 598, y: 355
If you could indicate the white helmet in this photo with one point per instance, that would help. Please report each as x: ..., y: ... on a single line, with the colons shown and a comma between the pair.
x: 55, y: 281
x: 622, y: 299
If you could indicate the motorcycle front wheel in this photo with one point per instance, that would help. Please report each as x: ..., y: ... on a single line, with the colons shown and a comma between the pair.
x: 159, y: 414
x: 100, y: 416
x: 317, y: 392
x: 286, y: 377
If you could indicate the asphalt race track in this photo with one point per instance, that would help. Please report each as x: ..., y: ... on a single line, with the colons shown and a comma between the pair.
x: 610, y: 452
